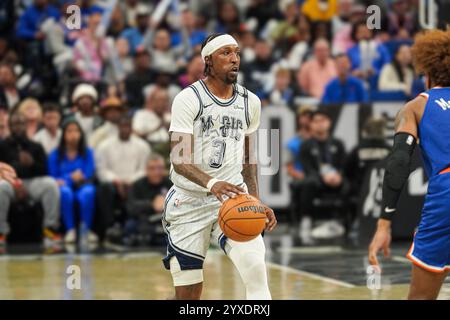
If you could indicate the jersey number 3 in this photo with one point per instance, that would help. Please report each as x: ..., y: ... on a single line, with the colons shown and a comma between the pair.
x: 216, y: 159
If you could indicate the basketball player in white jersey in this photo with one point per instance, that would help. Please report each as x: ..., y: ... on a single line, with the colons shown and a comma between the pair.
x: 213, y: 121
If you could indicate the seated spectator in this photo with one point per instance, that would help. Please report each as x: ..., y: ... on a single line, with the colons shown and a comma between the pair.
x: 32, y: 111
x: 299, y: 52
x: 84, y: 99
x: 91, y: 51
x: 120, y: 160
x: 142, y: 76
x: 194, y: 72
x: 345, y: 88
x: 50, y: 135
x: 342, y: 25
x: 72, y: 164
x: 294, y: 166
x: 111, y: 110
x: 10, y: 95
x: 314, y: 74
x: 285, y: 29
x: 29, y: 161
x: 165, y: 57
x: 4, y: 127
x: 322, y: 158
x: 29, y: 24
x: 401, y: 17
x: 60, y: 39
x: 146, y: 202
x: 190, y: 33
x: 135, y: 34
x: 258, y: 74
x: 320, y: 13
x: 228, y: 17
x: 152, y: 123
x: 282, y: 94
x: 399, y: 74
x: 367, y: 56
x: 371, y: 149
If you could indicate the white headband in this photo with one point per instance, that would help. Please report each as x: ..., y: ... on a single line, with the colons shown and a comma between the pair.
x: 217, y: 43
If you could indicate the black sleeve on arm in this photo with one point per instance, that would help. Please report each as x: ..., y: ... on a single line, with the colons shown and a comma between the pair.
x: 397, y: 172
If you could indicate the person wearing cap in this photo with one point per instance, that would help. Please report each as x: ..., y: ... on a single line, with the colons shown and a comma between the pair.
x: 135, y: 35
x: 84, y: 99
x: 111, y: 110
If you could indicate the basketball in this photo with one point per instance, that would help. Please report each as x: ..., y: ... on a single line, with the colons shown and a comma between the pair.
x: 242, y: 218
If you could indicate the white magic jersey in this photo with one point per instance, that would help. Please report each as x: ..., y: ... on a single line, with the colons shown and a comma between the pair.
x: 218, y: 127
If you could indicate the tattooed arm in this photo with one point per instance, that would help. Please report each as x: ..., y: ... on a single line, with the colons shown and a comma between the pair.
x: 250, y: 168
x: 250, y: 175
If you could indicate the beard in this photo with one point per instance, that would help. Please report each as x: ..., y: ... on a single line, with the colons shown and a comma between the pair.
x: 230, y: 79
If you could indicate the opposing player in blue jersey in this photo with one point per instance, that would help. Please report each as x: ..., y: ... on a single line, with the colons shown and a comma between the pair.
x: 426, y: 119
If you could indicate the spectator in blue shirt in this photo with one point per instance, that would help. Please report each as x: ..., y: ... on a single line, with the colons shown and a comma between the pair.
x: 33, y: 17
x: 367, y: 56
x: 135, y: 36
x: 72, y: 164
x: 345, y: 88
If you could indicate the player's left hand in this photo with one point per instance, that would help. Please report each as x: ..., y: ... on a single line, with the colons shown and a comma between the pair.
x: 271, y: 221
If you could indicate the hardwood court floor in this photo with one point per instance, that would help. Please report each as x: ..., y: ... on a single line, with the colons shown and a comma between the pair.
x: 141, y: 276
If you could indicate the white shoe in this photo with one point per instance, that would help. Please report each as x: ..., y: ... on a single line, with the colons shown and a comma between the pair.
x: 304, y: 231
x: 92, y: 237
x: 70, y: 236
x: 328, y: 230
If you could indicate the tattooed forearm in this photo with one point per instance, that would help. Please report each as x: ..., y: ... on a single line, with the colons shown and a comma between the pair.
x: 192, y: 173
x: 250, y: 175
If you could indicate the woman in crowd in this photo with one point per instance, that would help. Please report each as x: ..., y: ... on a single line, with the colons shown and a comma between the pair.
x: 398, y: 75
x: 72, y: 164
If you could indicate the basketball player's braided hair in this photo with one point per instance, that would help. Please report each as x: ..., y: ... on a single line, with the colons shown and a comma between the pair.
x: 205, y: 42
x: 431, y: 55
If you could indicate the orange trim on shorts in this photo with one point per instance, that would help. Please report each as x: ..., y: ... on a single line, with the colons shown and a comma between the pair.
x: 447, y: 170
x: 420, y: 264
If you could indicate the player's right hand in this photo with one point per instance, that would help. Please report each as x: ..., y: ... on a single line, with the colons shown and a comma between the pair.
x: 223, y: 188
x: 380, y: 241
x: 7, y: 173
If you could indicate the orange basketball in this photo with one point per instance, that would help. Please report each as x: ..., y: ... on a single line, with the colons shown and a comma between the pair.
x: 242, y: 218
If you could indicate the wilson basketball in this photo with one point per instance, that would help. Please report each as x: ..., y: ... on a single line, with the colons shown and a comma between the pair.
x: 242, y: 218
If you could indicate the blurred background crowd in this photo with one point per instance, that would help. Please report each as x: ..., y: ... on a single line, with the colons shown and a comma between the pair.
x: 84, y: 113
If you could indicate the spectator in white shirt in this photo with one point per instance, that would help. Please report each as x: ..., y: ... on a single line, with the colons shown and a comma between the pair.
x: 84, y: 98
x: 50, y: 134
x: 120, y: 161
x: 152, y: 122
x: 111, y: 110
x: 398, y: 75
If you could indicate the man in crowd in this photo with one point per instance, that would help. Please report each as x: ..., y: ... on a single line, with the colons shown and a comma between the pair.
x: 345, y: 88
x: 322, y: 158
x: 146, y: 201
x: 29, y: 161
x: 49, y: 136
x: 120, y: 161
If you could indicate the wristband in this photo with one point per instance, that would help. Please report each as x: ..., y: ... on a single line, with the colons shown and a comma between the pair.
x: 211, y: 182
